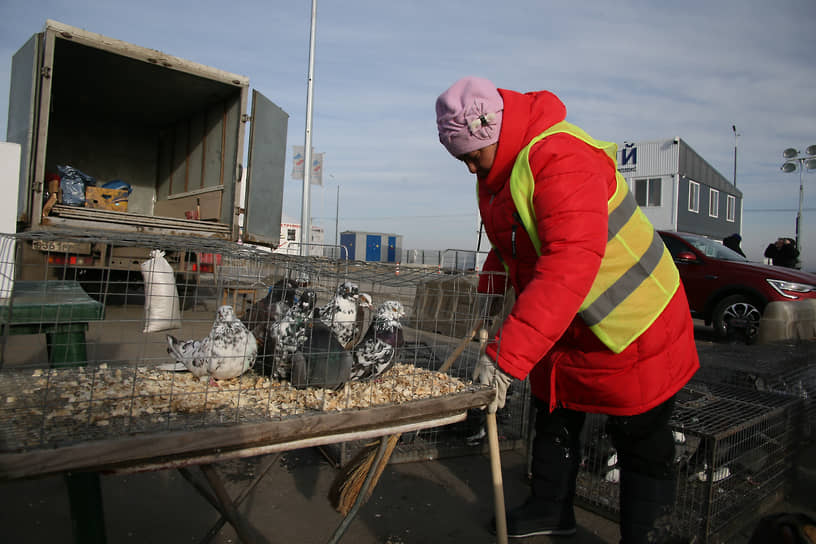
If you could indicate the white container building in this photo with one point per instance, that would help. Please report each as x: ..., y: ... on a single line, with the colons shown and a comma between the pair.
x: 678, y: 190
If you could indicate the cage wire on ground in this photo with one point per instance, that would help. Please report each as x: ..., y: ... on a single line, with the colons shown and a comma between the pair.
x: 78, y: 366
x: 734, y: 454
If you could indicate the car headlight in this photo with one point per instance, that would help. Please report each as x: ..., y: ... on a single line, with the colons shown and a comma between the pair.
x: 788, y: 288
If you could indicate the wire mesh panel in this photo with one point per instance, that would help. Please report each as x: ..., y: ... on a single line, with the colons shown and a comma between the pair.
x: 444, y: 321
x: 782, y: 367
x: 111, y: 337
x: 734, y: 452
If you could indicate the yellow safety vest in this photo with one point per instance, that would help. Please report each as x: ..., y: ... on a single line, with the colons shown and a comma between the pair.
x: 637, y: 277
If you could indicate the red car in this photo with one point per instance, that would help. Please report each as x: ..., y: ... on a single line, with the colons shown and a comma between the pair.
x: 727, y: 290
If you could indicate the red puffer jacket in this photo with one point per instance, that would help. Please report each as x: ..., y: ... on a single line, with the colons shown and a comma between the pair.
x: 543, y: 337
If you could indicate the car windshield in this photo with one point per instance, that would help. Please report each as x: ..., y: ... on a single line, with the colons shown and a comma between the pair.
x: 713, y: 248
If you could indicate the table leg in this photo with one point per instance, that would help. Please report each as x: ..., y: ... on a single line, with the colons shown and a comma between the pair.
x: 229, y: 510
x: 87, y: 514
x: 243, y: 495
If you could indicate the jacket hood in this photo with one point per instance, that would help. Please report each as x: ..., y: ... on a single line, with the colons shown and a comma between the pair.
x: 525, y: 117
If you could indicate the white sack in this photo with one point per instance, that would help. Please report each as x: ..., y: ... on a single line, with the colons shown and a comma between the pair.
x: 161, y: 298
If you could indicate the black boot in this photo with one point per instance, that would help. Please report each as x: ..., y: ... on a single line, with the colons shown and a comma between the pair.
x: 549, y: 509
x: 541, y: 517
x: 645, y: 508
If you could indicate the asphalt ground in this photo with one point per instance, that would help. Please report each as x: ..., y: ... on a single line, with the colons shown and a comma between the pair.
x: 436, y: 501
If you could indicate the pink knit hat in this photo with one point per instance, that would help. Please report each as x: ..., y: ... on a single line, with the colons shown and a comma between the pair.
x: 469, y: 115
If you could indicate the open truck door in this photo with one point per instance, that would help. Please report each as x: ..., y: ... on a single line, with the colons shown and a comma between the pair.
x: 24, y: 99
x: 265, y: 172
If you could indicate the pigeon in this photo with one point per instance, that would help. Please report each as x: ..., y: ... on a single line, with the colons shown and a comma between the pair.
x: 285, y: 336
x: 344, y: 313
x: 279, y: 298
x: 376, y: 352
x: 226, y: 352
x: 598, y: 454
x: 363, y: 303
x: 320, y: 361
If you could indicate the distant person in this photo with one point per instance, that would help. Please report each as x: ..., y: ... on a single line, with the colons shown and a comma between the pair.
x: 783, y: 252
x: 733, y: 243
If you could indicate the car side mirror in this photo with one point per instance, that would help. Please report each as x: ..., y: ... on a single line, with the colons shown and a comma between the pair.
x: 686, y: 257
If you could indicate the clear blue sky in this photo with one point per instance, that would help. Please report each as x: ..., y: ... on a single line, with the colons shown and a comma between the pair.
x: 627, y: 70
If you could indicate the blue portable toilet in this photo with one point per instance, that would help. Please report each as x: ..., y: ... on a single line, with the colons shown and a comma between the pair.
x: 379, y: 247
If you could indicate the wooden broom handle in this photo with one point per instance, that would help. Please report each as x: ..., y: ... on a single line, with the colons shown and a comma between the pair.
x: 498, y: 486
x: 461, y: 347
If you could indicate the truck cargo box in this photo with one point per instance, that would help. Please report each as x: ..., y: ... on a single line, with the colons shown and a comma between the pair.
x: 172, y: 129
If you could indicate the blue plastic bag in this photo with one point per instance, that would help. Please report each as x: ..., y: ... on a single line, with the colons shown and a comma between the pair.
x: 118, y: 184
x: 72, y: 185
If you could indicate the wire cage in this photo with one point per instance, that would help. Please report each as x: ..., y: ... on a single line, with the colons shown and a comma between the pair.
x: 734, y: 453
x: 787, y: 368
x: 86, y: 354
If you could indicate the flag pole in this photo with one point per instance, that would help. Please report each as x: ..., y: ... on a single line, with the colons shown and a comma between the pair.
x: 305, y: 219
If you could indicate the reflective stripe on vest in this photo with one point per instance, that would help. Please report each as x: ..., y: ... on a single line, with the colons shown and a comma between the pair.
x: 637, y: 277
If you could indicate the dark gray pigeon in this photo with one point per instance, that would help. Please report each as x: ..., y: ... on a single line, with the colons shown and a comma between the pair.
x: 320, y: 361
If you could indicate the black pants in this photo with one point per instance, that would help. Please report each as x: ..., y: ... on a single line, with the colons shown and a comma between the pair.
x: 644, y: 444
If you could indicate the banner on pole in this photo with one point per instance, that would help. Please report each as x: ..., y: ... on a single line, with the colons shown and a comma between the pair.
x: 298, y: 163
x: 298, y: 158
x: 316, y: 175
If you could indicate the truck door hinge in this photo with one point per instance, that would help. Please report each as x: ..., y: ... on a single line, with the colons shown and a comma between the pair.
x: 246, y: 118
x: 45, y: 72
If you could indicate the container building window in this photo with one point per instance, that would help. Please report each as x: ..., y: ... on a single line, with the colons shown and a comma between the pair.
x: 290, y: 235
x: 647, y: 192
x: 730, y: 208
x: 713, y: 203
x: 694, y: 197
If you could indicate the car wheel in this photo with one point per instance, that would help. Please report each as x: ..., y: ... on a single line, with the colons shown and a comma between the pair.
x: 737, y: 316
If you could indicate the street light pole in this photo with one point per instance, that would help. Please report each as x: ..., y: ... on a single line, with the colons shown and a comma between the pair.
x: 806, y: 161
x: 305, y: 212
x: 734, y: 128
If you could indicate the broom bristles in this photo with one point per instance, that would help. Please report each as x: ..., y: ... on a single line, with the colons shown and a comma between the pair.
x: 349, y: 481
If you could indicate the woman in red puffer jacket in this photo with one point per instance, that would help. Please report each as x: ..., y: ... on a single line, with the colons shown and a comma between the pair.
x: 572, y: 371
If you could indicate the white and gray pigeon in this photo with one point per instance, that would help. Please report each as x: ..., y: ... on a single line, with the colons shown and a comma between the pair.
x: 286, y: 335
x: 344, y: 313
x: 279, y: 298
x: 226, y: 352
x: 376, y: 352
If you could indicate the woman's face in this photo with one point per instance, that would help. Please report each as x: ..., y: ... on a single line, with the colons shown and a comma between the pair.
x: 480, y: 161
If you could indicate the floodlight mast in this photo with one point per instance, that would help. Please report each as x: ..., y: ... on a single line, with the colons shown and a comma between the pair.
x: 807, y: 161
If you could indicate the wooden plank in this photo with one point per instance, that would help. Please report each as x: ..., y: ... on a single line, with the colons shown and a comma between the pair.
x: 92, y: 218
x: 324, y: 440
x: 163, y: 446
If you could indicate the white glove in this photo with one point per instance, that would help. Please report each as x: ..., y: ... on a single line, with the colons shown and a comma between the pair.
x: 487, y: 372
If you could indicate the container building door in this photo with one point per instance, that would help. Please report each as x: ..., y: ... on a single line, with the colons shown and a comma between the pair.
x: 373, y: 250
x: 347, y: 242
x: 392, y: 249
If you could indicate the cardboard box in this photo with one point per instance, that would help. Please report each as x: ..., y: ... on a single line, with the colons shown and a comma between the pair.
x: 106, y: 199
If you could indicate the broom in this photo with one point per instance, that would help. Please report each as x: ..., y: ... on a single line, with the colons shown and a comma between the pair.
x: 365, y: 465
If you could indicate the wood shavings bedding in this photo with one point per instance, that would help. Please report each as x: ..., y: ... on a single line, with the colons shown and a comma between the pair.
x: 70, y: 404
